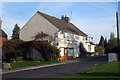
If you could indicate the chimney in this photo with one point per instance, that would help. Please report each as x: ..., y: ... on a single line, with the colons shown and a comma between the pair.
x: 0, y: 23
x: 66, y: 19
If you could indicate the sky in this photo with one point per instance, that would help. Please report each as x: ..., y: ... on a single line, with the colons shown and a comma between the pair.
x: 93, y: 18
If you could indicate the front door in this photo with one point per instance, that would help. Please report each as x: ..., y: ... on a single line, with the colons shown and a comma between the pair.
x: 66, y: 53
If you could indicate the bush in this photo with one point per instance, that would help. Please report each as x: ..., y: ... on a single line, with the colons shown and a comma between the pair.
x: 91, y: 53
x: 112, y: 46
x: 49, y: 52
x: 82, y: 50
x: 13, y: 49
x: 100, y: 50
x: 16, y: 59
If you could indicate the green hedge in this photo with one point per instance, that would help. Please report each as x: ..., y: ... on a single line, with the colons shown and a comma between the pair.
x: 100, y: 50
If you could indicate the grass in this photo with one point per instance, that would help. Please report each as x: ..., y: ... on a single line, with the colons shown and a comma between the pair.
x: 110, y: 70
x: 15, y: 65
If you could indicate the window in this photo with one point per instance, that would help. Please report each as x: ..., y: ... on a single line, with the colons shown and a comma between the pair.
x: 63, y: 34
x: 57, y: 44
x: 70, y: 51
x: 77, y: 36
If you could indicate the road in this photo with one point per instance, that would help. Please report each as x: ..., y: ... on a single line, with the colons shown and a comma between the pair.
x: 59, y: 71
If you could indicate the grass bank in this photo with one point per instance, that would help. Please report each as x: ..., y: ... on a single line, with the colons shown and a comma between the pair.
x: 15, y: 65
x: 110, y: 70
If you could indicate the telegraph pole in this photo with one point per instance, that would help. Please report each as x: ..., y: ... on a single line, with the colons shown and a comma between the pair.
x: 117, y: 26
x: 118, y: 29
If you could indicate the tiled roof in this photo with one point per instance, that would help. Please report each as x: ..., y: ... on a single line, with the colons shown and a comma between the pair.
x: 2, y: 33
x: 62, y: 25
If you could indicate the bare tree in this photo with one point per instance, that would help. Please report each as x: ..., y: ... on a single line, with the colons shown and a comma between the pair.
x: 41, y: 35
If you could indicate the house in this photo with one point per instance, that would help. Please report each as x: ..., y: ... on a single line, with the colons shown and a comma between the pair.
x: 65, y: 34
x: 3, y: 35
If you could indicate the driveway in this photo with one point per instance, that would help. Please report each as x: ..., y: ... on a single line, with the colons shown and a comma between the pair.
x: 59, y: 71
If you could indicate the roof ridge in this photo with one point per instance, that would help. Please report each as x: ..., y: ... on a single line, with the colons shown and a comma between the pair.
x: 62, y: 25
x: 50, y: 16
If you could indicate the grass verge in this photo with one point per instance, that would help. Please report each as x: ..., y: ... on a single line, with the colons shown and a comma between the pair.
x: 15, y: 65
x: 110, y: 70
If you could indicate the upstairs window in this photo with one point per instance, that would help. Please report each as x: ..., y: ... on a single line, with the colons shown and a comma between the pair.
x: 77, y: 36
x: 63, y: 34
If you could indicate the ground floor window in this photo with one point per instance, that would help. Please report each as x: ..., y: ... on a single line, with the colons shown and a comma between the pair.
x: 67, y: 51
x: 70, y: 51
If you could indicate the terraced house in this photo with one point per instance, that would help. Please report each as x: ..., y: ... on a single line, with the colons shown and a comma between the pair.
x: 66, y: 36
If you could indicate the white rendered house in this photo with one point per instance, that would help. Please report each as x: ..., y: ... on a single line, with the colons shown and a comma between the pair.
x: 66, y: 35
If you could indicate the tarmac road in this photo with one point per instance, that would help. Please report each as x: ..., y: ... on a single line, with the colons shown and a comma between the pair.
x: 59, y: 71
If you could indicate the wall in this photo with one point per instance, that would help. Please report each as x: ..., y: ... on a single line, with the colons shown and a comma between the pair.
x: 2, y: 39
x: 36, y: 24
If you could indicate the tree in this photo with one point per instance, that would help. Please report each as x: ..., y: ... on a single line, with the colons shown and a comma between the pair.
x: 112, y: 43
x: 105, y: 43
x: 82, y: 50
x: 41, y: 36
x: 101, y: 43
x: 112, y: 35
x: 15, y: 34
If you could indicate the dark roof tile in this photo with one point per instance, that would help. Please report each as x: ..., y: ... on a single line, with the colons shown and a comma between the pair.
x: 2, y: 33
x: 62, y: 25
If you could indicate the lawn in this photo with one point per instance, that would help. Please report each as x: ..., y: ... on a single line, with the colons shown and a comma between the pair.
x: 15, y: 65
x: 110, y: 70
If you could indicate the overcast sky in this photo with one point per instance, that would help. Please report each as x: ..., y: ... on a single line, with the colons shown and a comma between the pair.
x: 93, y: 18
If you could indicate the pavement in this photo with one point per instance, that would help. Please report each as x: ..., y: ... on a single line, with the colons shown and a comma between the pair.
x: 57, y: 70
x: 40, y: 66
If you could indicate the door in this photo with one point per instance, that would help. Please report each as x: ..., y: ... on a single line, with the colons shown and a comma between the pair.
x: 66, y: 53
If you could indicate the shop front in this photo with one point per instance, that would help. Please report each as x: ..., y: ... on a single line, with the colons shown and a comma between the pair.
x: 66, y: 53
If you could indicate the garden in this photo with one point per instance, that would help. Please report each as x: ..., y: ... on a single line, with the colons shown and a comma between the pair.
x: 19, y: 53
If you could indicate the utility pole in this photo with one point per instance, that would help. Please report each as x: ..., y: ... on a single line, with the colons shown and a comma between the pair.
x: 117, y: 26
x: 118, y: 29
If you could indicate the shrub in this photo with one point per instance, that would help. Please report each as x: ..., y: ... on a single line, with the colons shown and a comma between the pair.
x: 49, y: 52
x: 91, y: 53
x: 82, y: 50
x: 13, y: 49
x: 16, y: 59
x: 100, y: 50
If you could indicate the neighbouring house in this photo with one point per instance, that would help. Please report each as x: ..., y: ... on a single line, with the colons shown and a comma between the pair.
x: 3, y: 35
x: 65, y: 34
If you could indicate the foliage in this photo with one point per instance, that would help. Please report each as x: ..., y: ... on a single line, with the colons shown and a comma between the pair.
x: 100, y: 50
x: 91, y: 53
x: 15, y: 34
x: 112, y: 35
x: 101, y: 43
x: 82, y: 50
x: 41, y: 36
x: 13, y: 48
x: 16, y: 59
x: 112, y: 45
x: 105, y: 43
x: 49, y: 52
